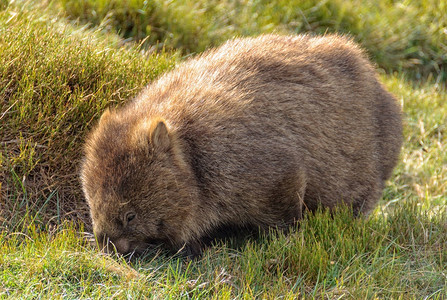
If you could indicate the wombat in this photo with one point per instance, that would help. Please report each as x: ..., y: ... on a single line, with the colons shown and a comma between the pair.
x: 249, y: 134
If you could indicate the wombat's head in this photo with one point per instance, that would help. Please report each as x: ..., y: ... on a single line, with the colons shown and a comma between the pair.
x: 139, y: 189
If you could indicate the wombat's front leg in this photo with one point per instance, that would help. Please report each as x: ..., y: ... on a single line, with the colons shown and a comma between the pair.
x: 192, y: 250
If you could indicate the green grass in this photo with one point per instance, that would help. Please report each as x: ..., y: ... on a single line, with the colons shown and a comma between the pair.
x: 55, y: 80
x: 57, y: 76
x: 399, y: 35
x: 401, y: 254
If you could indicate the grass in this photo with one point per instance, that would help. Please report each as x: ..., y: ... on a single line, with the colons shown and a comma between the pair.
x: 54, y: 82
x: 405, y: 36
x: 396, y: 255
x: 57, y: 75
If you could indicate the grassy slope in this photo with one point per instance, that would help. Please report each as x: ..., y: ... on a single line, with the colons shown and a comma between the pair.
x: 56, y: 78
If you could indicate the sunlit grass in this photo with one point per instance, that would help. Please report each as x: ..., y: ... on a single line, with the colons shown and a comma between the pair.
x: 399, y: 35
x: 328, y: 256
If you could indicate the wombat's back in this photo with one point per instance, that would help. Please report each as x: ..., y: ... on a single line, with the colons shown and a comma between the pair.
x: 258, y: 112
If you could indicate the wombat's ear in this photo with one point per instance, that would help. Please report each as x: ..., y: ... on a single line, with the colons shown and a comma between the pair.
x: 159, y: 135
x: 105, y: 115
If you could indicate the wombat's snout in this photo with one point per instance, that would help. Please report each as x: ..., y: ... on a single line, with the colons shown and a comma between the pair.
x: 108, y: 245
x: 122, y: 245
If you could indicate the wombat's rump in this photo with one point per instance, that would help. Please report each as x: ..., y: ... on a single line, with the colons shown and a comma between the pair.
x: 250, y: 133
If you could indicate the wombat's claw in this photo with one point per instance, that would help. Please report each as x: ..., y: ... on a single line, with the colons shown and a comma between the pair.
x: 89, y: 237
x: 192, y: 250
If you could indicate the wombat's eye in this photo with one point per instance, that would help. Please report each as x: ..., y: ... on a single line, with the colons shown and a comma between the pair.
x: 130, y: 216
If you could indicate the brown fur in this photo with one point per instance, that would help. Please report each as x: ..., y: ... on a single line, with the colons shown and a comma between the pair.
x: 246, y: 134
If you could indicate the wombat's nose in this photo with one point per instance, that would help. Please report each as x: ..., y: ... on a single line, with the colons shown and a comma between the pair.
x: 122, y: 245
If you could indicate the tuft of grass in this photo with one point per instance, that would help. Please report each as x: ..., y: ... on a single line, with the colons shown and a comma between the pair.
x: 399, y: 35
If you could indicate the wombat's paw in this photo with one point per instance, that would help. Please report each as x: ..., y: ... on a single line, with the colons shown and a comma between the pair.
x: 191, y: 250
